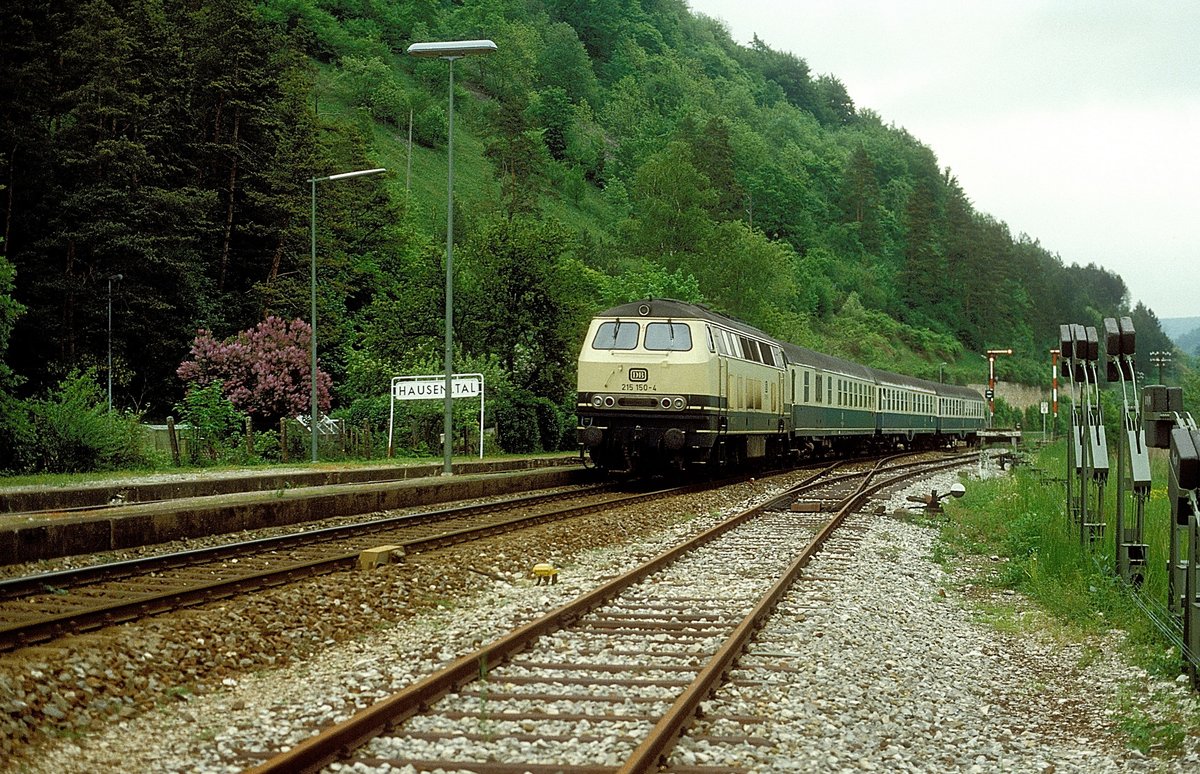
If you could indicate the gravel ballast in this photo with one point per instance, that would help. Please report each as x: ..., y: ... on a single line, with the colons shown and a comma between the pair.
x: 889, y: 670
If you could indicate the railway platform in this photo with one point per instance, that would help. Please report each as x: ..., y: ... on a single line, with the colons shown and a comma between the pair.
x: 38, y: 523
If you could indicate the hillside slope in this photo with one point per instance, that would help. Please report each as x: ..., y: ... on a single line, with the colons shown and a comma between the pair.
x: 607, y: 150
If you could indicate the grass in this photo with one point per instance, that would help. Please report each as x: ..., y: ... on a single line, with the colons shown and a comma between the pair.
x: 1022, y: 520
x: 1001, y: 617
x: 1151, y: 732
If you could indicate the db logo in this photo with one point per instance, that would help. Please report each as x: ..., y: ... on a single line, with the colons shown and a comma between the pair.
x: 638, y: 374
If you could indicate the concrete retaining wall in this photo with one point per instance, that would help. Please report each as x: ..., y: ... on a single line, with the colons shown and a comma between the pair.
x: 169, y: 486
x: 45, y: 536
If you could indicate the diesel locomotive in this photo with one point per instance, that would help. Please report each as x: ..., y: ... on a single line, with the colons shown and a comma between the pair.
x: 665, y: 385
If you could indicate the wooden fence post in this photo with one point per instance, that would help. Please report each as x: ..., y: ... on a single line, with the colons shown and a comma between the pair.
x: 174, y: 440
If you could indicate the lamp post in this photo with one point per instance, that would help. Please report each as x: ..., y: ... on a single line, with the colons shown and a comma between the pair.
x: 118, y: 278
x: 941, y: 371
x: 313, y: 291
x: 450, y: 51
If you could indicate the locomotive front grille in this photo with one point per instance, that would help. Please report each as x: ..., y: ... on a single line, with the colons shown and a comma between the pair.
x: 603, y: 401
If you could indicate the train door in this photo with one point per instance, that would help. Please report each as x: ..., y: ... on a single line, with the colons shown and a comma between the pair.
x: 781, y: 395
x: 723, y: 393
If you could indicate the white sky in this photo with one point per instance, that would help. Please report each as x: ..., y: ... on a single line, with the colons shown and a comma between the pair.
x: 1076, y: 122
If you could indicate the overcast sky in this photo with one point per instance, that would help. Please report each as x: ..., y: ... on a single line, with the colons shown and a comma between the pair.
x: 1076, y: 122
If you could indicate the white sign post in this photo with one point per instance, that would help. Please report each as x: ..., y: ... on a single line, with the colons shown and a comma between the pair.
x: 433, y: 387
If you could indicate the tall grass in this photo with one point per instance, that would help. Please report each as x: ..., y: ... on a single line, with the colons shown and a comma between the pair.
x: 1022, y: 519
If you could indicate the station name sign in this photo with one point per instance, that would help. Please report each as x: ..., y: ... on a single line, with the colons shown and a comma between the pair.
x: 435, y: 389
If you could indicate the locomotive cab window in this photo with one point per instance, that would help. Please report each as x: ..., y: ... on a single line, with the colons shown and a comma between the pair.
x: 668, y: 336
x: 616, y: 335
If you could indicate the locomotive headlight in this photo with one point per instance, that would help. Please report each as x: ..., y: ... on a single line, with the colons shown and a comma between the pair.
x: 597, y: 401
x: 665, y: 403
x: 609, y: 401
x: 678, y: 403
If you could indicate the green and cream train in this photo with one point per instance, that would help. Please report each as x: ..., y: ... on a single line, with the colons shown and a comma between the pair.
x: 665, y: 384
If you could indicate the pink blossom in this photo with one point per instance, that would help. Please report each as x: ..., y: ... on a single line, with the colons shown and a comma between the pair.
x: 265, y: 371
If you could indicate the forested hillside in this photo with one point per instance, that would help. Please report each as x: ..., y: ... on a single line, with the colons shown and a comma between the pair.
x: 609, y: 149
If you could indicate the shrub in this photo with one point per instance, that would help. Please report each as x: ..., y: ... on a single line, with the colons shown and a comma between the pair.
x: 517, y: 422
x: 18, y: 440
x: 266, y: 446
x: 550, y: 424
x: 369, y: 412
x: 216, y: 424
x: 74, y: 431
x: 266, y: 371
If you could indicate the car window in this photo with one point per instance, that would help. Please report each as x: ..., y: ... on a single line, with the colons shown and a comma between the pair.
x: 616, y: 335
x: 669, y: 336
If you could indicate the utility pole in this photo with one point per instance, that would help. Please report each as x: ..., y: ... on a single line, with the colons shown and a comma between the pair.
x: 1160, y: 359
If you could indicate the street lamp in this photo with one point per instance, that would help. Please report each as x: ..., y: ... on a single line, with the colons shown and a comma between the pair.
x: 313, y: 296
x: 118, y: 278
x: 941, y: 370
x: 449, y: 51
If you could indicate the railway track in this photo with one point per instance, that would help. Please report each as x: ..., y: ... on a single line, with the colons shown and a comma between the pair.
x: 39, y: 608
x: 609, y: 682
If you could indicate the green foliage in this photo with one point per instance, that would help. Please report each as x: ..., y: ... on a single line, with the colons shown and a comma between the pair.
x: 371, y: 84
x: 1022, y: 520
x: 517, y: 425
x: 607, y: 151
x: 216, y: 426
x: 1190, y: 379
x: 16, y: 429
x: 10, y: 311
x: 526, y: 423
x: 74, y: 432
x: 524, y: 303
x: 872, y: 338
x: 18, y: 437
x: 649, y: 280
x: 368, y: 412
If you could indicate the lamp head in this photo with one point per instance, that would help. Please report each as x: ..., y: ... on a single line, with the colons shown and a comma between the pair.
x: 452, y: 49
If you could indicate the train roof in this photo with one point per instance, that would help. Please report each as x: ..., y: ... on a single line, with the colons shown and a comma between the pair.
x: 670, y: 308
x: 805, y: 356
x: 958, y: 391
x: 901, y: 380
x: 943, y: 390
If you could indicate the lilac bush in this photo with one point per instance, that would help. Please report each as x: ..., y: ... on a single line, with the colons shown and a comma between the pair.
x: 265, y: 370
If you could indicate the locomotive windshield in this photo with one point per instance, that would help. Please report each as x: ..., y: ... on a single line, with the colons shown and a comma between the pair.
x: 669, y: 336
x: 616, y: 335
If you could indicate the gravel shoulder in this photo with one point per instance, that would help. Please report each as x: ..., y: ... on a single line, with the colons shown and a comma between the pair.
x: 901, y: 669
